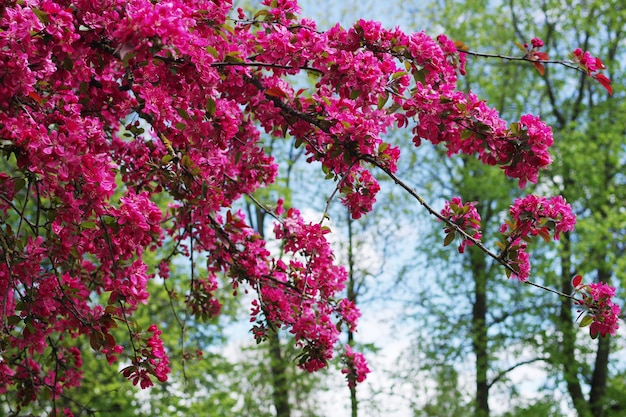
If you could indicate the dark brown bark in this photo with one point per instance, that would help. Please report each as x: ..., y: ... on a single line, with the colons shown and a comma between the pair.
x: 479, y: 332
x: 600, y: 374
x: 568, y: 331
x: 279, y: 377
x: 278, y: 367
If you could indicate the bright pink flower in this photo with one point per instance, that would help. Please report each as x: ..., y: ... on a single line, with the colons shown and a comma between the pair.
x: 359, y: 189
x: 349, y: 312
x: 356, y: 368
x: 465, y: 216
x: 536, y: 43
x: 534, y: 216
x: 602, y: 313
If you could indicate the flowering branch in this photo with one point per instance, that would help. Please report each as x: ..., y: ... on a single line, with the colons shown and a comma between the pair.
x: 580, y: 61
x: 501, y: 259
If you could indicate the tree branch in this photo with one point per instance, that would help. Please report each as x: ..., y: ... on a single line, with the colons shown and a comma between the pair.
x: 457, y: 229
x: 502, y: 374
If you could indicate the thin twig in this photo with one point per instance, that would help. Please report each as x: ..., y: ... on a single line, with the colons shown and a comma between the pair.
x: 265, y: 65
x: 567, y: 64
x: 262, y: 207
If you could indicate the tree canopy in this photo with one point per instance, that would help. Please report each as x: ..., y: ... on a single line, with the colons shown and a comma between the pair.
x: 130, y: 129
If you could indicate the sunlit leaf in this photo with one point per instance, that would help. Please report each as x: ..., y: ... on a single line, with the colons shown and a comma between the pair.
x: 586, y: 321
x: 382, y: 100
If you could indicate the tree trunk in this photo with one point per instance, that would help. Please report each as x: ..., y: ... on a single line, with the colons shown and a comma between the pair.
x: 278, y: 366
x: 568, y: 330
x: 479, y: 332
x: 279, y: 377
x: 601, y: 366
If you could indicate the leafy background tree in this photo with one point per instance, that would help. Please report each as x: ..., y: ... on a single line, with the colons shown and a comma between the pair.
x: 589, y: 136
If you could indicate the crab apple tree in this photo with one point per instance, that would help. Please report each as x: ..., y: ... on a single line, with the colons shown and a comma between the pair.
x: 109, y: 108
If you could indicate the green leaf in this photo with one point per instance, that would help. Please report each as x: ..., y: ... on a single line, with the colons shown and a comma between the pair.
x: 187, y: 162
x: 19, y: 184
x: 261, y: 13
x: 382, y: 100
x: 586, y: 321
x: 398, y: 74
x: 233, y: 57
x: 183, y: 113
x: 42, y: 16
x: 212, y: 51
x: 419, y: 76
x: 521, y: 47
x: 127, y: 57
x: 466, y: 134
x: 88, y: 225
x: 210, y: 106
x: 449, y: 239
x: 68, y: 63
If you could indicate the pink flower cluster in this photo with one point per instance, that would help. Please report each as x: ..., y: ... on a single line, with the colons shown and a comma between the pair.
x: 355, y: 368
x: 536, y: 42
x: 465, y: 217
x: 359, y: 189
x: 601, y: 313
x: 592, y: 66
x: 154, y: 361
x: 310, y: 279
x: 588, y: 62
x: 530, y: 150
x: 533, y: 216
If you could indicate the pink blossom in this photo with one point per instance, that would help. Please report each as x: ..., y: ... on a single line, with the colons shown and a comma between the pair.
x: 356, y: 368
x: 349, y: 312
x: 359, y: 189
x: 534, y: 216
x: 536, y: 43
x: 602, y: 313
x: 465, y: 216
